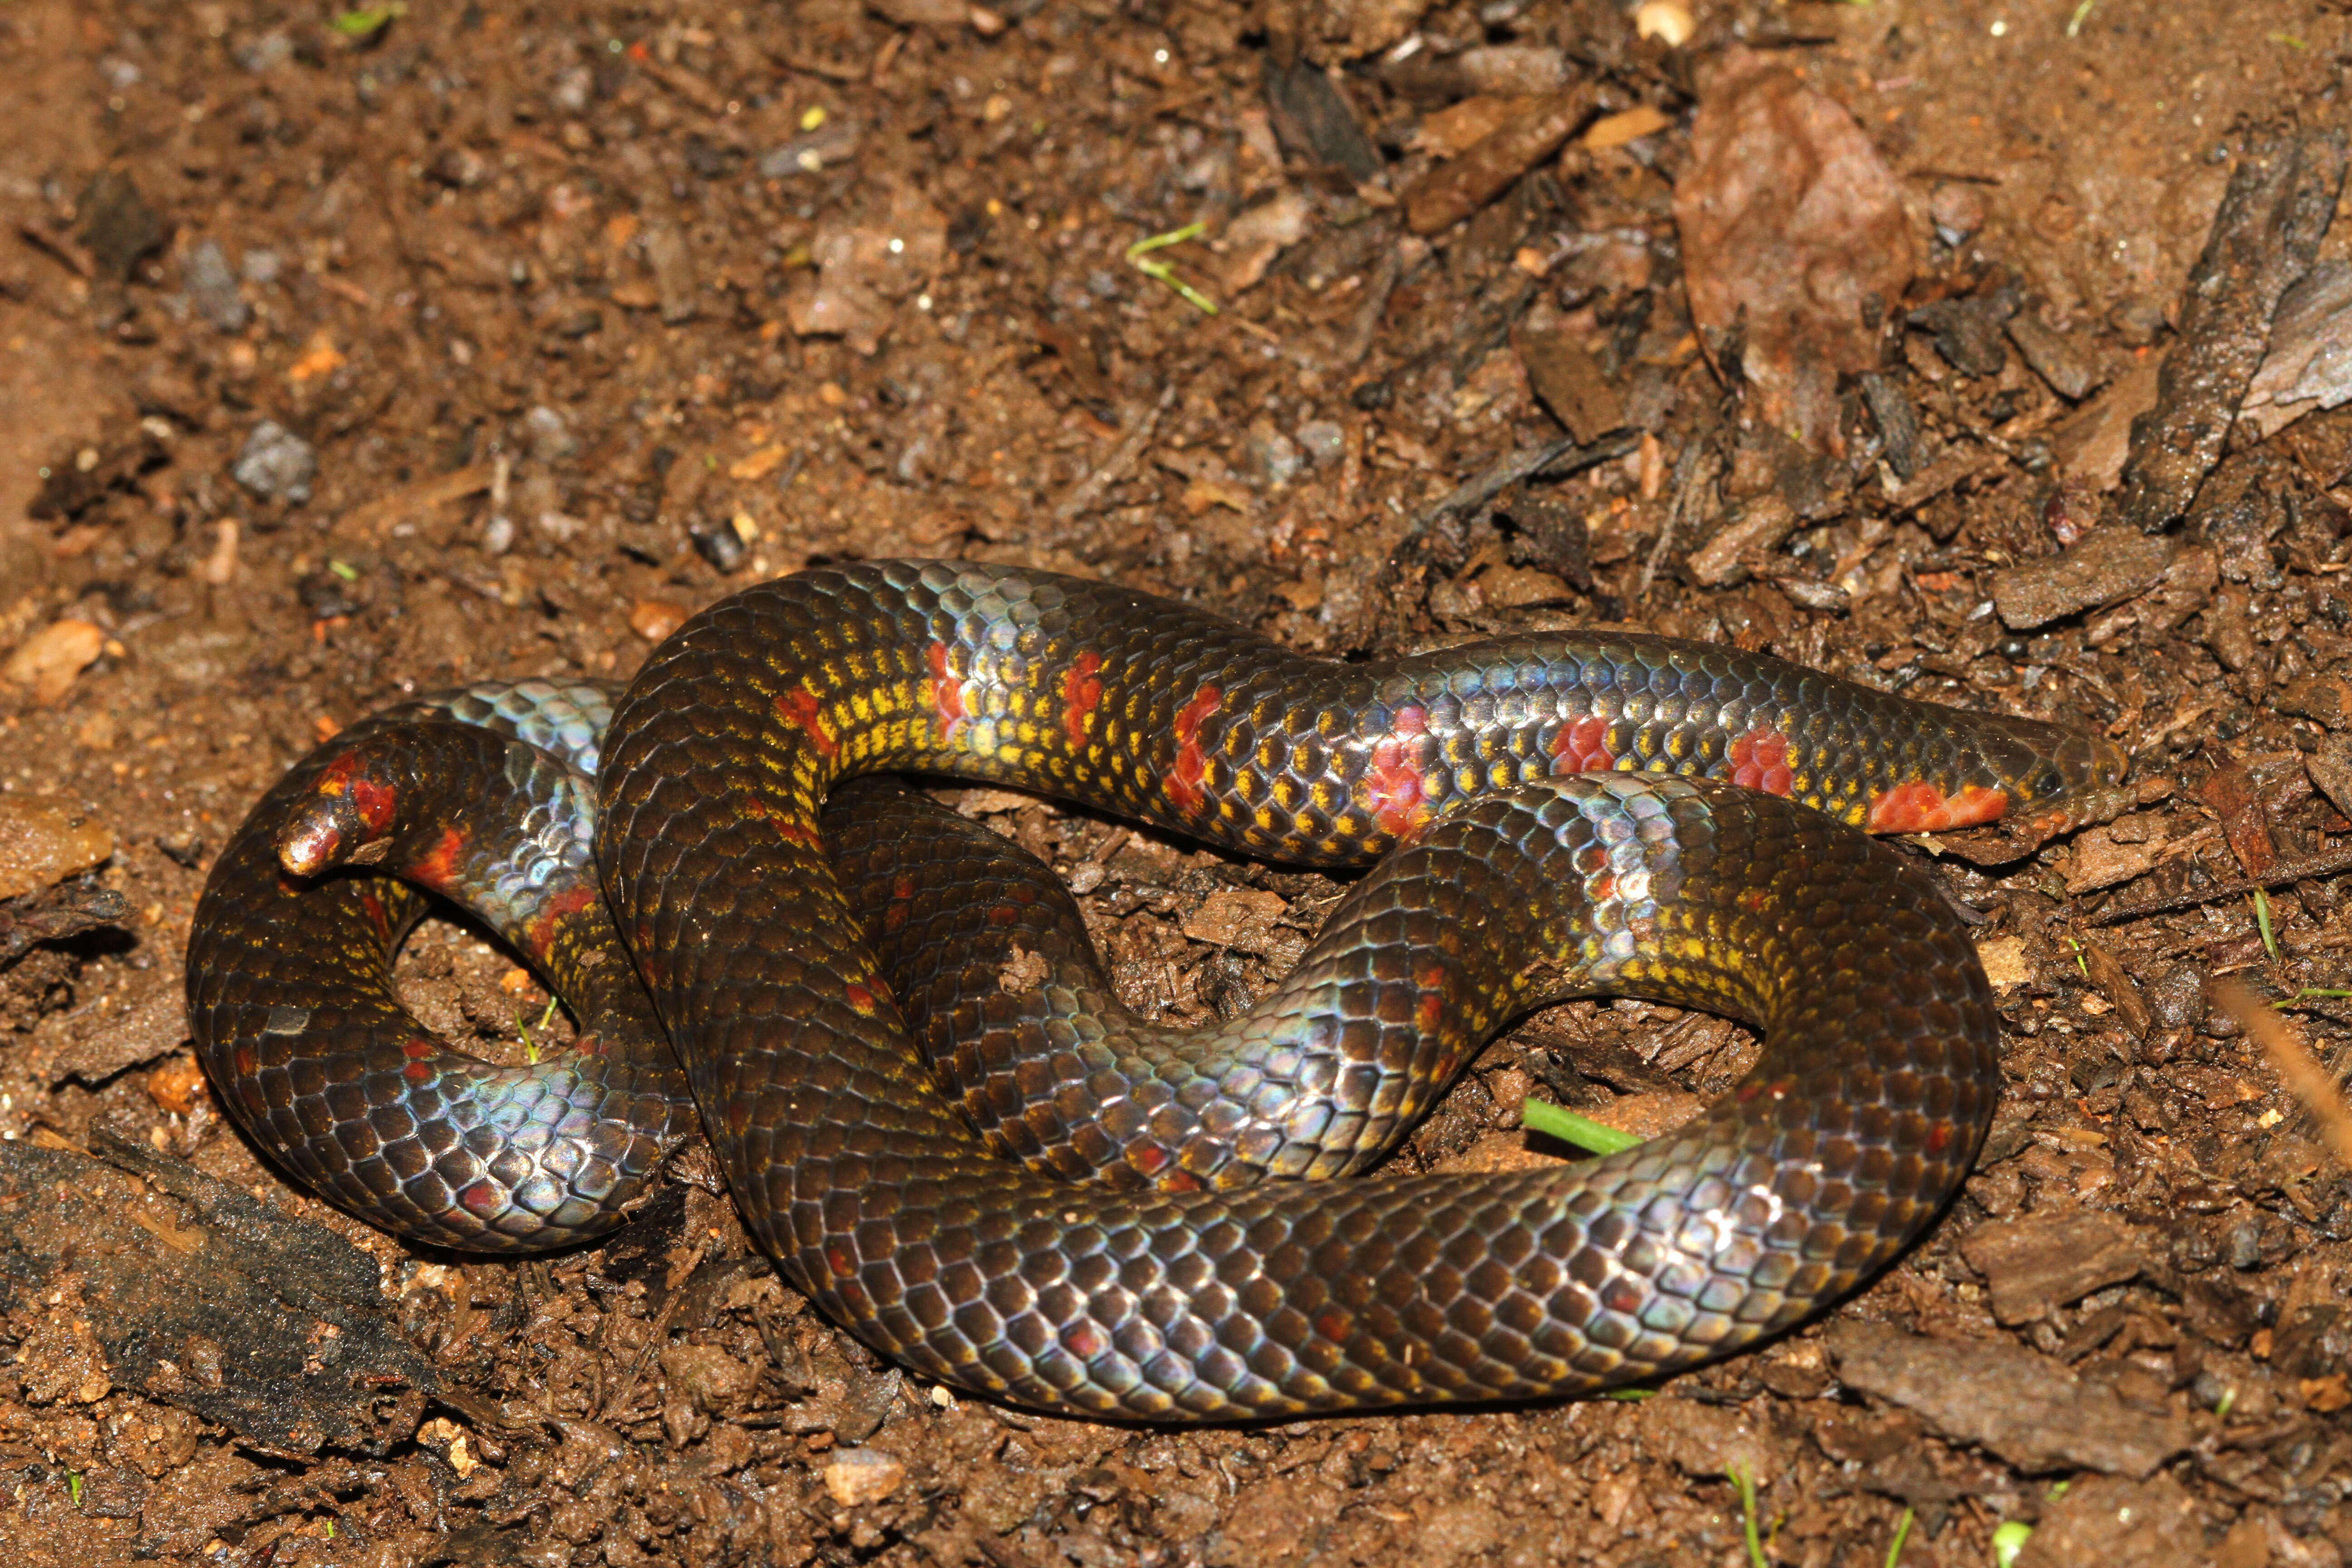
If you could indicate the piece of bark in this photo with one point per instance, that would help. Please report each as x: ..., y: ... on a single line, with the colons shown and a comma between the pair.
x: 2264, y: 240
x: 2072, y: 374
x: 204, y: 1297
x: 2049, y: 1260
x: 1569, y: 380
x: 1453, y: 190
x: 2027, y: 1409
x: 2105, y: 566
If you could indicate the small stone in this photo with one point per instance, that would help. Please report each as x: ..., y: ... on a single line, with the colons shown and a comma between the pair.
x: 277, y: 464
x: 856, y: 1475
x: 212, y: 286
x: 2071, y: 373
x: 1957, y: 210
x: 45, y: 839
x: 1325, y: 441
x: 48, y: 661
x: 656, y: 619
x: 550, y: 434
x: 174, y: 1085
x: 1273, y: 457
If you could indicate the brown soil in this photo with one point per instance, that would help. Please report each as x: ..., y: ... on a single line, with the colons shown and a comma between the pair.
x: 576, y: 306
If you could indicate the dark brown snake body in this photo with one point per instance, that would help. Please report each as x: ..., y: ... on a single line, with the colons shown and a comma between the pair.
x: 1544, y: 855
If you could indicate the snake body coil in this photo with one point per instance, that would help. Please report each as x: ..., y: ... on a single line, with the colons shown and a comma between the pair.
x: 1544, y: 856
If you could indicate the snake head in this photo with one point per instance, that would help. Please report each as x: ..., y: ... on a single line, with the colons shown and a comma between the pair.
x: 345, y: 821
x: 2054, y: 777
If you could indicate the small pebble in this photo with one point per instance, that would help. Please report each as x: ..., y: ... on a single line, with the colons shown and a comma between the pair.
x: 857, y: 1476
x: 48, y: 661
x: 277, y: 464
x: 174, y: 1084
x: 654, y: 620
x: 1274, y: 457
x: 551, y: 440
x: 1324, y: 440
x: 212, y: 288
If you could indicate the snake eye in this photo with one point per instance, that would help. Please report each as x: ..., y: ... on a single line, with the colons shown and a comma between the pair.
x: 2048, y: 783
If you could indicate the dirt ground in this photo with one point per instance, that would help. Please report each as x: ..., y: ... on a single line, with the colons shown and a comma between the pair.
x: 347, y: 355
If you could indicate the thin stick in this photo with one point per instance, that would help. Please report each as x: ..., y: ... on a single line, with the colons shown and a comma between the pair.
x: 1686, y: 479
x: 1089, y: 490
x: 2311, y: 1083
x: 2326, y: 865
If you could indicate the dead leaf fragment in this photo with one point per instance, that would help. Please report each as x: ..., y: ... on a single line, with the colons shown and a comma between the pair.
x: 45, y: 839
x: 1790, y: 220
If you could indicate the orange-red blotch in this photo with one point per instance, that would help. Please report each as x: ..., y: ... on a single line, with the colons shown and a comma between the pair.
x: 1394, y: 788
x: 800, y: 709
x: 1759, y: 760
x: 861, y: 998
x: 1187, y: 778
x: 1924, y: 809
x: 947, y: 693
x: 1940, y: 1137
x: 437, y: 867
x: 1429, y: 1012
x: 788, y: 828
x: 1081, y: 690
x: 482, y: 1198
x: 1582, y: 747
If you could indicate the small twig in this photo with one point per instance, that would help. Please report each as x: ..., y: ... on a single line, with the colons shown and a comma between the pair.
x: 1685, y: 481
x: 2310, y: 1082
x: 2326, y: 865
x: 1089, y: 490
x: 1558, y: 459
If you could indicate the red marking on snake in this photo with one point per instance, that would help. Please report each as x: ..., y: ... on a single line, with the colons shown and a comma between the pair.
x: 1398, y: 798
x: 1924, y: 809
x: 800, y: 709
x: 439, y: 865
x: 861, y: 998
x: 1429, y: 1012
x: 787, y: 828
x: 1940, y: 1137
x: 416, y: 1049
x: 248, y: 1064
x: 1582, y: 747
x: 947, y: 693
x: 551, y: 914
x: 482, y: 1197
x: 839, y: 1260
x: 1759, y: 760
x: 1335, y: 1327
x: 1081, y: 690
x: 1187, y: 778
x: 1084, y: 1340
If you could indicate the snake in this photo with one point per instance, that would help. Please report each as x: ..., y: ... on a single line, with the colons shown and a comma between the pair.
x: 931, y: 1111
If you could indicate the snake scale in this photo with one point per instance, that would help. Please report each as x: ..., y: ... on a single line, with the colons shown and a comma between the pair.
x: 1571, y: 812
